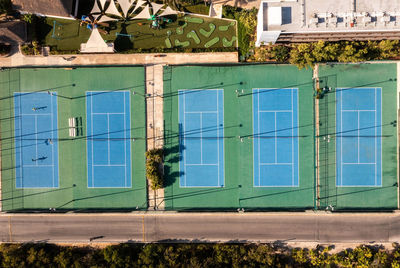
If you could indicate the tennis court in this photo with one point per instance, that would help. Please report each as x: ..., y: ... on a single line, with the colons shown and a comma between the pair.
x: 109, y: 139
x: 67, y: 138
x: 36, y: 140
x: 275, y: 126
x: 359, y: 138
x: 201, y: 142
x: 253, y: 125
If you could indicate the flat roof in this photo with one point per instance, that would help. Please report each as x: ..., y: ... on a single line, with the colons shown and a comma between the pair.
x: 335, y: 15
x: 59, y: 8
x: 13, y: 32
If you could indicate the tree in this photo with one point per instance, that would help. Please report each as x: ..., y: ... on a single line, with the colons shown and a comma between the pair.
x: 13, y: 255
x: 151, y: 255
x: 280, y: 53
x: 301, y: 55
x: 38, y: 257
x: 154, y: 159
x: 261, y: 255
x: 63, y: 259
x: 325, y: 51
x: 389, y: 48
x: 122, y: 255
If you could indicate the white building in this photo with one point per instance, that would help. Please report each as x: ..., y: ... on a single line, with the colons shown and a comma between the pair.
x: 312, y: 20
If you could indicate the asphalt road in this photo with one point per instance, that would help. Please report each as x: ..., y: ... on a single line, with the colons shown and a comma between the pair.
x: 210, y: 227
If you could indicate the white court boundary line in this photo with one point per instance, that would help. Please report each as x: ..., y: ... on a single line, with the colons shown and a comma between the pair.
x: 181, y: 92
x: 376, y: 138
x: 292, y: 90
x: 51, y: 95
x: 125, y: 115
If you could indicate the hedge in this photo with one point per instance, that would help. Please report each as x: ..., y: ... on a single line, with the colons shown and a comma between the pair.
x: 154, y: 158
x: 305, y: 55
x: 195, y: 255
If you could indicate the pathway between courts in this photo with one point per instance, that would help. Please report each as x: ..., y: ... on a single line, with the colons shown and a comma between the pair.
x: 155, y: 124
x: 18, y: 60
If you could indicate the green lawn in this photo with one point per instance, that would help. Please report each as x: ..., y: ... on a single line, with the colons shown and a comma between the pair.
x: 67, y: 35
x: 197, y: 9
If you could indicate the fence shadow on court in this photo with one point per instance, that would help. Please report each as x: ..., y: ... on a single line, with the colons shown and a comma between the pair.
x: 38, y: 91
x: 222, y: 84
x: 360, y: 191
x: 276, y: 89
x: 392, y: 123
x: 106, y: 91
x: 99, y: 196
x: 33, y: 194
x: 174, y: 151
x: 331, y: 81
x: 172, y: 155
x: 274, y: 194
x: 200, y: 192
x: 184, y: 134
x: 259, y: 135
x: 197, y: 89
x: 100, y: 92
x: 11, y: 139
x: 62, y: 207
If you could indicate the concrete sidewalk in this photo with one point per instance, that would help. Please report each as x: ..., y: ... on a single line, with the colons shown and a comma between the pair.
x: 19, y: 60
x: 245, y: 4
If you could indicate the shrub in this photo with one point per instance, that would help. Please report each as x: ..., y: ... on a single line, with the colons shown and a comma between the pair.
x: 300, y: 256
x: 278, y: 53
x: 54, y: 51
x: 382, y: 257
x: 247, y: 23
x: 28, y: 18
x: 4, y: 49
x: 5, y: 6
x: 27, y: 49
x: 154, y: 158
x: 192, y: 255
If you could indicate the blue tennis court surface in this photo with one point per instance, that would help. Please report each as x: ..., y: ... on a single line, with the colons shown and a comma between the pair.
x: 109, y: 139
x: 201, y: 120
x: 275, y: 126
x: 358, y: 127
x: 36, y: 140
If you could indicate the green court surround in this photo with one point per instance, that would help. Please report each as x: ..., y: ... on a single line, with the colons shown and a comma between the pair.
x: 348, y: 76
x: 238, y: 191
x: 70, y: 85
